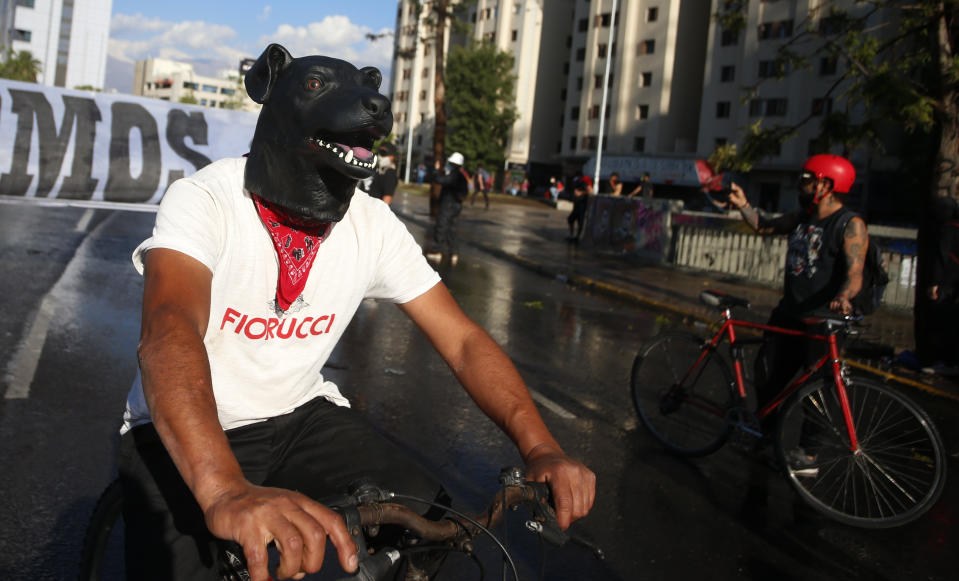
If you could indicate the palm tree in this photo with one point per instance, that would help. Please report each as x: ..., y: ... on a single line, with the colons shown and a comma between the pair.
x: 19, y: 65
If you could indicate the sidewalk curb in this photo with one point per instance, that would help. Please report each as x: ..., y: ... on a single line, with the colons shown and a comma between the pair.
x: 611, y: 290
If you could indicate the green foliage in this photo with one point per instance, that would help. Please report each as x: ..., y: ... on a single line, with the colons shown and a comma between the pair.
x: 189, y: 99
x: 88, y: 88
x: 479, y: 97
x: 892, y: 67
x: 19, y: 65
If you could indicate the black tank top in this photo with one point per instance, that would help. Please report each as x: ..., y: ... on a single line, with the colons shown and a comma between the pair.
x: 815, y: 264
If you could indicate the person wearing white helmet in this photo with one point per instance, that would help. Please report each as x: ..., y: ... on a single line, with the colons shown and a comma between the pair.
x: 455, y: 182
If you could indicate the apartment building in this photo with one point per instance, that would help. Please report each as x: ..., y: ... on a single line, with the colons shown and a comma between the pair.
x: 678, y: 86
x: 173, y: 81
x: 68, y: 37
x: 653, y: 89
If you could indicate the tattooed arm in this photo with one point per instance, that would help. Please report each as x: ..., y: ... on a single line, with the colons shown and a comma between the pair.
x: 855, y: 243
x: 757, y: 219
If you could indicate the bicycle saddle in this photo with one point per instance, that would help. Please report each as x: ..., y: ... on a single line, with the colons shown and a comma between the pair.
x: 719, y: 299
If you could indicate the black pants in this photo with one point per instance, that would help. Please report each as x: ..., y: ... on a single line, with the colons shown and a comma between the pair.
x: 444, y: 234
x: 319, y: 449
x: 782, y: 356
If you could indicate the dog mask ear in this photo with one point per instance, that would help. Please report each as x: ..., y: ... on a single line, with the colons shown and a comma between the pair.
x: 262, y: 75
x: 374, y: 74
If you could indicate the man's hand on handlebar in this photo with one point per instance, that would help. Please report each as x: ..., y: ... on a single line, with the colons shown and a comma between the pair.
x: 841, y: 305
x: 573, y: 485
x: 255, y: 516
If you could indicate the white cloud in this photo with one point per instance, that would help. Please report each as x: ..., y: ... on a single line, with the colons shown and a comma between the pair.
x: 265, y: 15
x: 214, y: 47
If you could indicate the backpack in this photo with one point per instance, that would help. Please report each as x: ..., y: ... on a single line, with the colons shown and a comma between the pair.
x: 874, y: 276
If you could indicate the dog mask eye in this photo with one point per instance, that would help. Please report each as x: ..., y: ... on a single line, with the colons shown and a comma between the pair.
x: 313, y: 84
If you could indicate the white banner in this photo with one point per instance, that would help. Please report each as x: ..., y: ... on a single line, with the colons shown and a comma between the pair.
x: 78, y: 145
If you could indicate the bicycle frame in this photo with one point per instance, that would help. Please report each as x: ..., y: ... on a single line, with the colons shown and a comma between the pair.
x: 728, y: 329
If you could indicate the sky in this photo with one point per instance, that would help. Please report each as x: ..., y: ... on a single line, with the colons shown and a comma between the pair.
x: 214, y: 35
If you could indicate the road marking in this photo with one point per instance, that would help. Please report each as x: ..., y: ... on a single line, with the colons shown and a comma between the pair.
x: 84, y: 222
x: 552, y: 405
x: 95, y: 204
x: 23, y: 366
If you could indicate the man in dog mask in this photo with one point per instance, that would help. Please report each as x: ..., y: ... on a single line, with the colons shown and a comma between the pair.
x: 254, y: 269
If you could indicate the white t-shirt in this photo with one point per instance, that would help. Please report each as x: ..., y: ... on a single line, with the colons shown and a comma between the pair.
x: 264, y: 365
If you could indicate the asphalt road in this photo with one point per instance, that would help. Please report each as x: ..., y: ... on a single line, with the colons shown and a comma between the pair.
x: 70, y: 301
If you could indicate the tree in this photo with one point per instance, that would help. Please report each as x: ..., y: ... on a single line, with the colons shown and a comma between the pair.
x: 898, y: 69
x: 480, y: 84
x: 19, y: 65
x: 188, y: 98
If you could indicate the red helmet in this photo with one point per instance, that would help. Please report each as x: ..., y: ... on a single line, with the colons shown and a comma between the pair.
x: 836, y: 168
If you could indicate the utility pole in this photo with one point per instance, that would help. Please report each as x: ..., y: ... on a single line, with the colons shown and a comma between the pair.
x: 602, y: 109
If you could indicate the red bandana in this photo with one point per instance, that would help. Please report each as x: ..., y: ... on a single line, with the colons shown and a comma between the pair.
x: 296, y: 242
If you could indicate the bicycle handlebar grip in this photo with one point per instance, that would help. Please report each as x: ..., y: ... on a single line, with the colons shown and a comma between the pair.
x: 375, y: 567
x: 542, y: 509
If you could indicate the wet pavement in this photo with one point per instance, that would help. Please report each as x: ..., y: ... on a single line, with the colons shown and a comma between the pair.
x: 70, y: 294
x: 533, y: 235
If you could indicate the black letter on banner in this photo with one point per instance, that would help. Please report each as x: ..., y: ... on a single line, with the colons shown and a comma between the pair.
x: 53, y: 145
x: 121, y: 185
x: 179, y: 125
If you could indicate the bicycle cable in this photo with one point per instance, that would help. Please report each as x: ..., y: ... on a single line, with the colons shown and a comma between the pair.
x: 469, y: 519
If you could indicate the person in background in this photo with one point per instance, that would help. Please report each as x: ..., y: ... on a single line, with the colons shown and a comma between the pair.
x: 944, y: 288
x: 481, y: 185
x: 455, y: 182
x: 824, y: 263
x: 385, y: 178
x: 582, y: 189
x: 615, y: 186
x: 644, y: 189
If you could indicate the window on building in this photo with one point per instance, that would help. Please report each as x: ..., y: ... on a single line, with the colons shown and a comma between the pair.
x: 572, y: 142
x: 562, y: 94
x: 514, y: 35
x: 729, y: 37
x: 594, y: 112
x: 828, y: 66
x: 723, y: 109
x: 579, y: 83
x: 26, y: 3
x: 583, y: 24
x: 426, y: 49
x: 821, y: 106
x: 189, y: 85
x: 602, y: 20
x: 209, y: 89
x: 426, y: 72
x: 406, y: 73
x: 639, y: 144
x: 652, y: 14
x: 581, y: 53
x: 422, y: 95
x: 769, y: 196
x: 776, y: 108
x: 719, y: 142
x: 601, y: 49
x: 569, y: 41
x: 589, y: 142
x: 598, y: 81
x: 775, y: 29
x: 574, y: 113
x: 646, y: 79
x: 830, y: 25
x: 646, y: 47
x: 566, y: 68
x: 642, y: 112
x: 225, y: 91
x: 727, y: 74
x: 20, y: 34
x: 772, y: 68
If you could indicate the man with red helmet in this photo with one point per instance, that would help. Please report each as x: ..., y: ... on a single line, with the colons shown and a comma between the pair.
x: 824, y: 261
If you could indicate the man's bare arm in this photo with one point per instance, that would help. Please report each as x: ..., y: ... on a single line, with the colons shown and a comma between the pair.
x: 179, y: 392
x: 755, y: 218
x: 855, y: 244
x: 491, y: 379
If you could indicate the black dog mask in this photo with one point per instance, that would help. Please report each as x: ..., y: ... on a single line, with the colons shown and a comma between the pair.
x: 315, y: 133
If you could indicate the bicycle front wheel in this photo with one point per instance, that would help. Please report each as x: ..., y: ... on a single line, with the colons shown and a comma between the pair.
x: 682, y: 393
x: 894, y: 477
x: 102, y: 553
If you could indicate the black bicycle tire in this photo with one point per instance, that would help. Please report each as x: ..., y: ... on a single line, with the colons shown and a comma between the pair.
x: 900, y: 419
x: 639, y: 391
x: 104, y: 518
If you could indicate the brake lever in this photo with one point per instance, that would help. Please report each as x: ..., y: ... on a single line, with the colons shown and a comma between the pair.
x: 544, y: 517
x: 371, y: 567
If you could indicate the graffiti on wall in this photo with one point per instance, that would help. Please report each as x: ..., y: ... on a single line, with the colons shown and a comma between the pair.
x: 629, y: 226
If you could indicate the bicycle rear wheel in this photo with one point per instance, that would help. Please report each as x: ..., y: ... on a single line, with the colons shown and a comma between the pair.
x: 102, y: 554
x: 898, y: 472
x: 682, y: 399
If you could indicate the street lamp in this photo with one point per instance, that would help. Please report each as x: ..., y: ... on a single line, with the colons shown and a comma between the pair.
x: 602, y: 109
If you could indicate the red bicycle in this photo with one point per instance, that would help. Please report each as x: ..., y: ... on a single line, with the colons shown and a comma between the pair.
x: 856, y: 450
